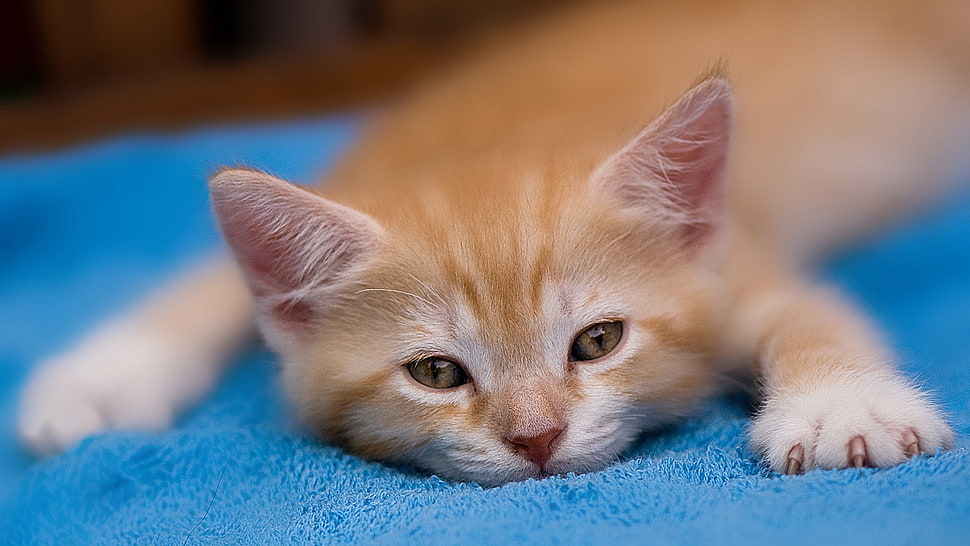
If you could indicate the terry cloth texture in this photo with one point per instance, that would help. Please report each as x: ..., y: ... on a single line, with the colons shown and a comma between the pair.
x: 86, y: 231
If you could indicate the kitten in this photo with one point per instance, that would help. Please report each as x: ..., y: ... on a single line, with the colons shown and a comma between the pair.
x: 513, y: 275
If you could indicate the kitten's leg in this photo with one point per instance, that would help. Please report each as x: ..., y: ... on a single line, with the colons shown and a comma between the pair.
x: 832, y: 397
x: 139, y: 369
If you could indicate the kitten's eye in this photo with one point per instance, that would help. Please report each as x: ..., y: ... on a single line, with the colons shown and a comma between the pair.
x: 596, y: 341
x: 438, y: 373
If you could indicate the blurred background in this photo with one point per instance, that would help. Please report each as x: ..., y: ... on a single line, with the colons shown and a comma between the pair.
x: 80, y: 241
x: 75, y: 69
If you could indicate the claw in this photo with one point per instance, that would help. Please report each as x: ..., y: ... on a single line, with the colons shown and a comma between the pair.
x: 795, y: 459
x: 911, y: 441
x: 857, y: 451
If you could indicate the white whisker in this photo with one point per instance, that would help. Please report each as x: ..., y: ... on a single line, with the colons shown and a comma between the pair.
x: 395, y: 292
x: 429, y: 290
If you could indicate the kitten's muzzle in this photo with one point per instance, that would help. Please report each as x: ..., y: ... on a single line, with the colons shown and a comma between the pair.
x: 537, y: 447
x: 533, y: 418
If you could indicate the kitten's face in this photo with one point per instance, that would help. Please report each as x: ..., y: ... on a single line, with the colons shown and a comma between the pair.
x: 498, y: 330
x: 540, y: 343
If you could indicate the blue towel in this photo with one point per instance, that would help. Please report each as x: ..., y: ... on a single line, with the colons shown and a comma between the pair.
x: 85, y: 231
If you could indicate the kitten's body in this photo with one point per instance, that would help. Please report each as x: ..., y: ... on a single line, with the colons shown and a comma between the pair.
x: 500, y: 211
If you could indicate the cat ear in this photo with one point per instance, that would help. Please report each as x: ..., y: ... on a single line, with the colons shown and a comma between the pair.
x: 288, y: 241
x: 673, y: 171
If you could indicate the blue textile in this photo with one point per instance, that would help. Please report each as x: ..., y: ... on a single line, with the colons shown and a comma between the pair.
x: 84, y: 231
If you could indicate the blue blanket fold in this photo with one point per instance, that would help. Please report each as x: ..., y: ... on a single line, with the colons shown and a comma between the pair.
x: 85, y: 231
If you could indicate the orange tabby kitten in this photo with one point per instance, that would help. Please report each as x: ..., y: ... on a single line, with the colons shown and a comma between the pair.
x: 516, y: 272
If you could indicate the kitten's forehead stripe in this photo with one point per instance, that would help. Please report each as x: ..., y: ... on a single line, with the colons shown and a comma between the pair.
x: 501, y: 262
x: 471, y: 291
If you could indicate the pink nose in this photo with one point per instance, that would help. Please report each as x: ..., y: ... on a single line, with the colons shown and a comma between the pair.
x: 537, y: 448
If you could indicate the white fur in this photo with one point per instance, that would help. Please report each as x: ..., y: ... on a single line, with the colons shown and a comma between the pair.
x: 824, y: 418
x: 139, y: 370
x: 124, y: 376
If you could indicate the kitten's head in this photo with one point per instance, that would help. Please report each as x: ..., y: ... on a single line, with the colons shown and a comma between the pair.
x: 535, y: 327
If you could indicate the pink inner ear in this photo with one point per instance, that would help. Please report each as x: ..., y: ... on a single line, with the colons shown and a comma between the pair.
x: 287, y: 240
x: 674, y: 169
x: 699, y: 151
x: 294, y: 311
x: 699, y: 148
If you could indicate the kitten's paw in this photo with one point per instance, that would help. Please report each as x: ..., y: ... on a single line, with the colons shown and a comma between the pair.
x: 117, y: 379
x: 54, y: 416
x: 876, y: 421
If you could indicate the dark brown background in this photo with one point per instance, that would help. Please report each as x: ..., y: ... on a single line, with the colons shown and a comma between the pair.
x: 76, y: 69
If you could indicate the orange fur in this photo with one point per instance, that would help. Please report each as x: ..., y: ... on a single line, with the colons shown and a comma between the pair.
x: 480, y: 180
x: 514, y: 201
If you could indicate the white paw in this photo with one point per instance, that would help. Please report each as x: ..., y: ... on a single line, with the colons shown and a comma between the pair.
x: 119, y: 378
x: 872, y: 420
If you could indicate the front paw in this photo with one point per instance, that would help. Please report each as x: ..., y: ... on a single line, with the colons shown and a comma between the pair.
x: 120, y: 377
x: 876, y: 421
x: 75, y: 396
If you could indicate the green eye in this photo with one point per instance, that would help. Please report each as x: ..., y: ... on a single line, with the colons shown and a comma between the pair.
x: 438, y: 373
x: 596, y: 341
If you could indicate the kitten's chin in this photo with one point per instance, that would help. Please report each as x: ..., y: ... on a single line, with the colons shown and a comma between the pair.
x: 495, y: 474
x: 536, y: 473
x: 484, y: 476
x: 487, y: 473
